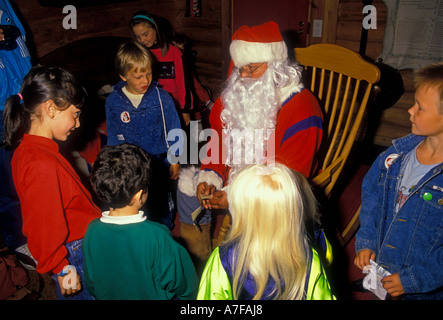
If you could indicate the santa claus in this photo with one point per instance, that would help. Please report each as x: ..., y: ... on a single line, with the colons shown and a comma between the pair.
x: 264, y: 94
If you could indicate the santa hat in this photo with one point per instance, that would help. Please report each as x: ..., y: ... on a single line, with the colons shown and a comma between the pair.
x: 262, y: 43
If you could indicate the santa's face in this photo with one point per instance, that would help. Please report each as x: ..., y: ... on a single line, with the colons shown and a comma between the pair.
x: 253, y: 70
x: 250, y: 98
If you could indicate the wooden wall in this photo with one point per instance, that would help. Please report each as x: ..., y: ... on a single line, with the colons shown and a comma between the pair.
x: 211, y: 36
x: 46, y: 31
x: 342, y: 24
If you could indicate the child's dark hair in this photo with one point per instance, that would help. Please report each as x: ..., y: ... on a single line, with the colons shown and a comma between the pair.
x: 143, y: 16
x: 39, y: 85
x: 119, y: 172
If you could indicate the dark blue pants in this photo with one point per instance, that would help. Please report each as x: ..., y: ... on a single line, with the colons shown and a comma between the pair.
x: 161, y: 203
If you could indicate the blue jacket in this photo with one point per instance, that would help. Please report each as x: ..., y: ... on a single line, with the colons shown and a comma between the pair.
x: 410, y: 242
x: 143, y: 126
x: 15, y: 63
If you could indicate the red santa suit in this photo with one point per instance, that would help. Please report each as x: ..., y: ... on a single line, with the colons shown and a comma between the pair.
x: 297, y: 139
x: 297, y: 135
x: 298, y: 132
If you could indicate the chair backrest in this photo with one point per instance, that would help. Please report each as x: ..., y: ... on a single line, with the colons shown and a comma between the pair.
x: 341, y: 80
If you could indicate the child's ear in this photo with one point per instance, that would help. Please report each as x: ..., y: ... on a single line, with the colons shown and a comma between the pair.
x: 49, y: 109
x: 137, y: 197
x: 123, y: 78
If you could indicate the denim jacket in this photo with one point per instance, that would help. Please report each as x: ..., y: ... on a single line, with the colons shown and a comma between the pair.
x: 409, y: 242
x: 145, y: 125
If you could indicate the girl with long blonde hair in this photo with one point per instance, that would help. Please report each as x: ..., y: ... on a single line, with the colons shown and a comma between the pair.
x: 266, y: 254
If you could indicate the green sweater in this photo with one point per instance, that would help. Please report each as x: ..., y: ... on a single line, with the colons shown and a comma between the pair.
x: 133, y: 258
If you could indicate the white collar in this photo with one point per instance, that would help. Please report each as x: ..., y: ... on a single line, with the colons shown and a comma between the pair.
x: 286, y: 91
x: 106, y: 218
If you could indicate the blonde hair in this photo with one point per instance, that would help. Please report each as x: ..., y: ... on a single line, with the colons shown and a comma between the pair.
x: 132, y: 55
x: 269, y: 208
x: 432, y: 76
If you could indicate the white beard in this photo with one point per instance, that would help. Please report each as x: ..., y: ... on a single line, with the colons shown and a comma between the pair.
x: 249, y: 117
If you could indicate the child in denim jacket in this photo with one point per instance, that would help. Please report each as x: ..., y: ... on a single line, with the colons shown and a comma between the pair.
x: 141, y: 113
x: 402, y: 200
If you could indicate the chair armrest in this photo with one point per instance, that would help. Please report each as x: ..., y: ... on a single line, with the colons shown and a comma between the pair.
x: 325, y: 177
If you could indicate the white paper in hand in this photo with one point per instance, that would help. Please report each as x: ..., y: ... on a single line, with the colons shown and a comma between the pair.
x: 372, y: 281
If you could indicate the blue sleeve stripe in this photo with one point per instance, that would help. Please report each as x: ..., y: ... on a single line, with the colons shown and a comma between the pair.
x: 311, y: 122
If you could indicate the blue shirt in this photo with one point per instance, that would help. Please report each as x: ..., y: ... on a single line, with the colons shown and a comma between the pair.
x: 145, y: 125
x: 14, y: 64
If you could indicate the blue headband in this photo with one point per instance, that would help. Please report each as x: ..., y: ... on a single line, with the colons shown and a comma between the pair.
x: 140, y: 16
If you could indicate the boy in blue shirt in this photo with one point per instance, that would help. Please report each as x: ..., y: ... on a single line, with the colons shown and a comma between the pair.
x: 141, y: 113
x: 402, y: 200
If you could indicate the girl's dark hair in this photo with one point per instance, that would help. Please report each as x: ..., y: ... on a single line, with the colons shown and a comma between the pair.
x: 151, y: 20
x: 39, y: 85
x: 119, y: 172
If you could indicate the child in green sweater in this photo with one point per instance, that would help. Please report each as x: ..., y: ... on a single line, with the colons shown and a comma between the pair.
x: 127, y: 256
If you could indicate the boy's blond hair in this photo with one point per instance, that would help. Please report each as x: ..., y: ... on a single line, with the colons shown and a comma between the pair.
x: 132, y: 55
x: 432, y: 76
x: 268, y: 228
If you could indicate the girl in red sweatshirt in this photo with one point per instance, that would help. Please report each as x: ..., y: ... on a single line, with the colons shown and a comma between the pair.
x: 56, y: 207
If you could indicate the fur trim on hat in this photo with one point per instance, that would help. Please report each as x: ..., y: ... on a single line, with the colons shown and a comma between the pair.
x: 244, y: 52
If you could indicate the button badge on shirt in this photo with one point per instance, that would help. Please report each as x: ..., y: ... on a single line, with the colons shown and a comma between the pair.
x: 124, y: 116
x: 390, y: 159
x: 427, y: 196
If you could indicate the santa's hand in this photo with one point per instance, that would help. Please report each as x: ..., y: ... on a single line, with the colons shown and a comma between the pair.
x: 219, y: 200
x: 205, y: 190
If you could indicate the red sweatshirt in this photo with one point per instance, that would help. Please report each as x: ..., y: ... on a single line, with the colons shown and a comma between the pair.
x: 56, y: 207
x: 173, y: 83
